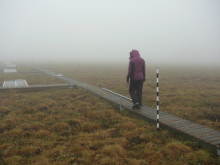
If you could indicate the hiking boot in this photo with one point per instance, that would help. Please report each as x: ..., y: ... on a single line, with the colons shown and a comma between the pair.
x: 140, y: 105
x: 136, y: 106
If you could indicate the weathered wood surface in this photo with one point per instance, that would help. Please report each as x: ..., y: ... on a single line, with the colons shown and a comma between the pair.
x: 206, y: 137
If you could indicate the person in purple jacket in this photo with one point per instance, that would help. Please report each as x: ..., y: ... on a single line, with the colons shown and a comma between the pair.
x: 136, y: 74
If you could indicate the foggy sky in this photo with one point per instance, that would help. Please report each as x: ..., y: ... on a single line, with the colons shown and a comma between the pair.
x: 172, y: 31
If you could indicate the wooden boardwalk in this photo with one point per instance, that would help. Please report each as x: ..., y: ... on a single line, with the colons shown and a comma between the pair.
x: 206, y: 137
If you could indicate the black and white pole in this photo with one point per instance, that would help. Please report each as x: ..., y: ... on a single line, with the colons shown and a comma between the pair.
x: 51, y: 64
x: 85, y: 86
x: 158, y: 125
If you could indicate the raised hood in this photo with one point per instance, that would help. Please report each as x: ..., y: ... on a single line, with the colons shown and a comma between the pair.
x: 134, y: 53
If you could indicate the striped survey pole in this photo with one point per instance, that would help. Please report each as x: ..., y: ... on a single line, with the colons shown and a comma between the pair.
x: 85, y: 86
x: 158, y: 125
x: 51, y: 64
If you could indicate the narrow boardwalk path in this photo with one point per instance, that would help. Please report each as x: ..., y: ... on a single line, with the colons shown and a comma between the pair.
x: 206, y: 137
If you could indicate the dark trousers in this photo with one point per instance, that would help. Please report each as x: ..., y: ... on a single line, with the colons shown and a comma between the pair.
x: 135, y: 90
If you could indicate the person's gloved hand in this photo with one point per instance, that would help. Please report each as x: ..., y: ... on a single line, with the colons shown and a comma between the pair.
x: 127, y: 80
x: 144, y: 79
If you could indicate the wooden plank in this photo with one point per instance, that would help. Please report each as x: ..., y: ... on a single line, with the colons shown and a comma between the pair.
x: 213, y: 139
x: 179, y: 125
x: 189, y: 126
x: 150, y: 108
x: 192, y: 126
x: 147, y: 111
x: 125, y: 101
x: 107, y: 97
x: 151, y: 116
x: 211, y: 136
x: 186, y: 125
x: 147, y: 114
x: 196, y: 130
x: 171, y: 119
x: 166, y: 116
x: 199, y: 130
x: 203, y: 134
x: 179, y: 121
x: 215, y: 142
x: 143, y: 113
x: 127, y: 104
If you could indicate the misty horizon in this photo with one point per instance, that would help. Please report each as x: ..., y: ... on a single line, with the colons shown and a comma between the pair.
x: 164, y: 32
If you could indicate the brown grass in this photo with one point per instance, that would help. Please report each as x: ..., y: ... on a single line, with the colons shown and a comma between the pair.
x: 185, y: 91
x: 80, y: 133
x: 63, y: 126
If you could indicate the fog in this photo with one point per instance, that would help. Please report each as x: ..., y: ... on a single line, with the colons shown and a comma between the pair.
x: 171, y: 31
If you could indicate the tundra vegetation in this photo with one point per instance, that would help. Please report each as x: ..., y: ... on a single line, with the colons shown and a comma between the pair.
x: 190, y: 92
x: 64, y: 126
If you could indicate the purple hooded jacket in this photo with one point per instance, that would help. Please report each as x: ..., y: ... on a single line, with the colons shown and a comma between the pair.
x: 136, y: 69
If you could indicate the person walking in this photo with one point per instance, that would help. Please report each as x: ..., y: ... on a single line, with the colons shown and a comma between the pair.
x: 136, y: 74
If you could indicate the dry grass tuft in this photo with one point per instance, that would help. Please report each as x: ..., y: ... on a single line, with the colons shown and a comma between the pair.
x: 2, y: 127
x: 4, y: 111
x: 109, y: 160
x: 42, y: 161
x: 129, y: 125
x: 33, y: 127
x: 101, y: 135
x: 11, y: 123
x: 152, y: 156
x: 75, y: 122
x: 97, y: 144
x: 42, y: 134
x: 199, y: 157
x: 10, y: 151
x: 73, y: 95
x: 61, y: 127
x: 15, y: 133
x: 39, y: 116
x: 106, y: 118
x: 176, y: 149
x: 14, y: 160
x: 29, y: 151
x: 59, y: 153
x: 114, y: 151
x: 90, y: 127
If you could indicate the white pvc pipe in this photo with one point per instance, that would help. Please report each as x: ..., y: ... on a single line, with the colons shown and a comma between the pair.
x: 117, y: 94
